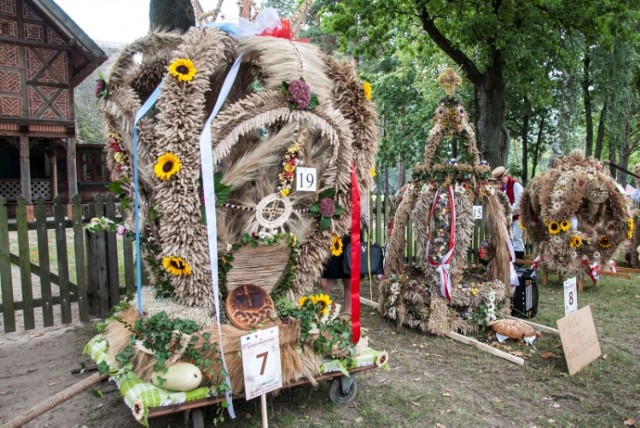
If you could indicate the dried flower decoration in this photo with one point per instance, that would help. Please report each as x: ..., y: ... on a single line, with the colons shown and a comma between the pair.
x: 100, y: 91
x: 336, y: 245
x: 167, y: 166
x: 176, y: 266
x: 183, y: 69
x: 326, y: 208
x: 289, y: 165
x: 366, y: 88
x: 299, y: 95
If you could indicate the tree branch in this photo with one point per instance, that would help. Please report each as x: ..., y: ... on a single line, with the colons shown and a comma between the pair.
x: 468, y: 67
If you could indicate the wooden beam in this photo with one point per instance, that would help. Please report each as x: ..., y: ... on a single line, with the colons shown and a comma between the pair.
x: 542, y: 328
x: 72, y: 172
x: 25, y: 168
x: 483, y: 347
x: 626, y: 275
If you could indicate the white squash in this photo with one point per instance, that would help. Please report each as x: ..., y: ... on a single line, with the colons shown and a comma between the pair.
x: 179, y: 377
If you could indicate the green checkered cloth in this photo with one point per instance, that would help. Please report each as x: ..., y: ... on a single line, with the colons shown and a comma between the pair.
x: 141, y: 396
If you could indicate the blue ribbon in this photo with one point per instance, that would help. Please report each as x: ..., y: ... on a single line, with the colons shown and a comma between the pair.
x: 136, y: 191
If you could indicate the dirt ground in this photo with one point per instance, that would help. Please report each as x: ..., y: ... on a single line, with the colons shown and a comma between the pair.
x: 432, y: 382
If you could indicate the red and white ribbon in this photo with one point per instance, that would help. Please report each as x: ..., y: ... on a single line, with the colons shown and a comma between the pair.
x: 535, y: 263
x: 442, y: 265
x: 594, y: 271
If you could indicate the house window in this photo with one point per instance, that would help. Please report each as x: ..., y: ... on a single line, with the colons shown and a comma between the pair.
x: 92, y: 167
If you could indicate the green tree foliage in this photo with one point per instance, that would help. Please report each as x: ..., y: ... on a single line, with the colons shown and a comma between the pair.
x: 521, y: 57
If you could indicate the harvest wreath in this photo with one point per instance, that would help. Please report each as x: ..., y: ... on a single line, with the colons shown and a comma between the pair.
x: 226, y: 233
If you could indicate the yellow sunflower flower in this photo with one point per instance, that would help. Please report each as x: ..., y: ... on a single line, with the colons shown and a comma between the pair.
x: 553, y: 227
x: 630, y: 227
x: 302, y: 301
x: 336, y: 245
x: 183, y: 69
x: 325, y: 302
x: 604, y: 242
x: 565, y: 225
x: 176, y: 266
x: 167, y: 166
x: 366, y: 87
x: 575, y: 241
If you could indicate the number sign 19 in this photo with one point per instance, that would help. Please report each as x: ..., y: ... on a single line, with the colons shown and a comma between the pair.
x: 306, y: 180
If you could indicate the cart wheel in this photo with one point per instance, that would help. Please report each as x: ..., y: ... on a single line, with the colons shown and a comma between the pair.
x: 337, y: 393
x: 193, y: 418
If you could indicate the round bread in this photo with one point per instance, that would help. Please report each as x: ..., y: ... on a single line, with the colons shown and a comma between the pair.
x: 248, y: 305
x: 514, y: 329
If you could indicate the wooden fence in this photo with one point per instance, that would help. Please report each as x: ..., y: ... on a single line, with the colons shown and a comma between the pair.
x: 78, y: 271
x: 91, y: 271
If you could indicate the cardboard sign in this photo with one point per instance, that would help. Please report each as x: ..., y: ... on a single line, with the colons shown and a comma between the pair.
x: 570, y: 296
x: 579, y: 339
x: 261, y: 362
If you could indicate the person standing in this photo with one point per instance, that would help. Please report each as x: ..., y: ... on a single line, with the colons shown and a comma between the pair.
x: 513, y: 189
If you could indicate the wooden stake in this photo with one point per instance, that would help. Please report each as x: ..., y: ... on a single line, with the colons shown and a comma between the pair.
x: 483, y: 347
x: 536, y: 326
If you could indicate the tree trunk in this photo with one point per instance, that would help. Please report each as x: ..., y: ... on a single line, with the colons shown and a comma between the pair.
x: 537, y: 147
x: 601, y: 129
x: 524, y: 135
x: 492, y: 134
x: 586, y: 83
x: 625, y: 152
x: 171, y: 15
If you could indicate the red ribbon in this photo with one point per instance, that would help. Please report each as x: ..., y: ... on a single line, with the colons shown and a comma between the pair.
x: 442, y: 265
x: 355, y: 256
x: 283, y: 31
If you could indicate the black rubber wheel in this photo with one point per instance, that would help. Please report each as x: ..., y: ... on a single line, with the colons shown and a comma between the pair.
x: 194, y: 418
x: 337, y: 395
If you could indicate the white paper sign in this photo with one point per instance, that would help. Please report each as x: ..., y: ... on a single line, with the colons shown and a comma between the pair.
x: 261, y: 362
x: 306, y: 179
x: 477, y: 212
x: 570, y: 296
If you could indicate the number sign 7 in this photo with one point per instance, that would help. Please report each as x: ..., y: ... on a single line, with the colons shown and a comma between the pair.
x: 263, y: 355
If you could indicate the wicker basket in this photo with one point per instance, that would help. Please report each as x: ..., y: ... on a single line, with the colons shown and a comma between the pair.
x: 263, y: 265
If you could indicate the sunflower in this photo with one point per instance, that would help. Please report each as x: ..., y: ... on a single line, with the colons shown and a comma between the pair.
x: 336, y: 245
x: 176, y: 266
x: 166, y: 166
x: 630, y: 227
x: 604, y: 242
x: 324, y: 301
x: 565, y: 225
x: 553, y: 227
x: 183, y: 69
x: 366, y: 88
x: 575, y: 241
x: 302, y: 301
x: 521, y: 224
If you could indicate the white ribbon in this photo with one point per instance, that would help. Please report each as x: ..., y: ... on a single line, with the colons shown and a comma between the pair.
x: 206, y: 160
x: 513, y: 275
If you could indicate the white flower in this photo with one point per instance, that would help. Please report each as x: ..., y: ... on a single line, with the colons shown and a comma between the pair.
x: 392, y: 312
x: 138, y: 410
x: 382, y: 358
x: 229, y: 247
x: 395, y: 288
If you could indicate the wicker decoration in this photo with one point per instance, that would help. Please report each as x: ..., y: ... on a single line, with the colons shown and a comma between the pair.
x: 435, y: 297
x: 250, y: 137
x: 266, y: 234
x: 575, y: 215
x: 263, y: 265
